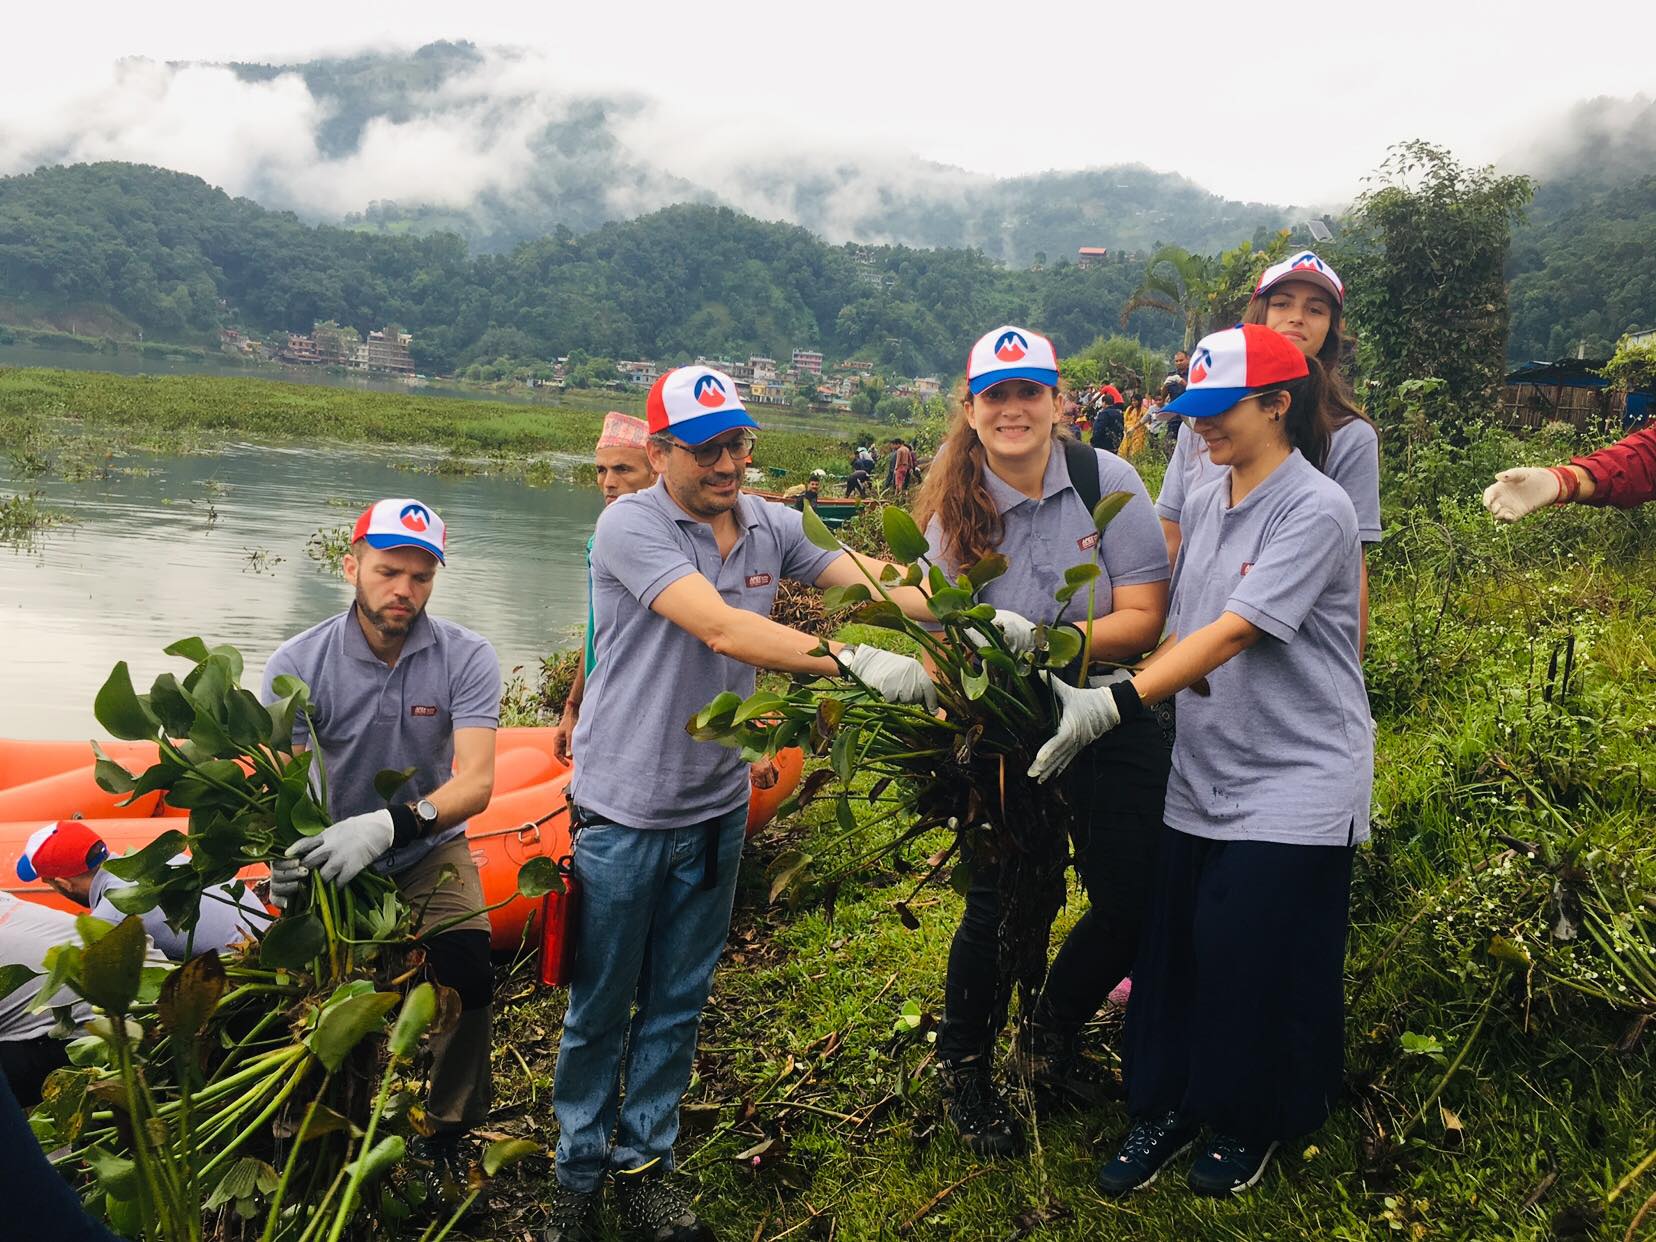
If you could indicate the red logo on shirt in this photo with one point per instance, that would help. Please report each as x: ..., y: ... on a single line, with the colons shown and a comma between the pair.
x: 1246, y: 566
x: 423, y: 709
x: 1090, y: 541
x: 758, y: 580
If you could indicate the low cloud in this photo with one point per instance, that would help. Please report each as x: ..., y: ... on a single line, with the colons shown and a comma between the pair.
x: 474, y: 133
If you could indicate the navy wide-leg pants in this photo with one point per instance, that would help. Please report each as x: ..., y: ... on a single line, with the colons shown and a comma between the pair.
x: 1238, y: 1016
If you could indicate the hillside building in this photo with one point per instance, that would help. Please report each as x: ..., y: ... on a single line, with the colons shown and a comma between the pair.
x: 384, y: 351
x: 640, y: 374
x: 1090, y: 256
x: 807, y: 360
x: 335, y: 346
x: 299, y: 349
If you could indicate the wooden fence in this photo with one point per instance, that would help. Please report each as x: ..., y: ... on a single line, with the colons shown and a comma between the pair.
x: 1597, y: 410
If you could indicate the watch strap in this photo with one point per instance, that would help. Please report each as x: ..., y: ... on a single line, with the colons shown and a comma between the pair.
x: 405, y: 825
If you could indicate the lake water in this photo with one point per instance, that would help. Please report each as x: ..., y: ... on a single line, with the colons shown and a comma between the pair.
x: 215, y: 546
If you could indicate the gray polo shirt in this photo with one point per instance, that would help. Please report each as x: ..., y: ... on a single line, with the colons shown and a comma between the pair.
x: 224, y: 921
x: 1353, y: 462
x: 635, y: 764
x: 27, y: 931
x: 1283, y: 748
x: 1042, y: 538
x: 370, y: 717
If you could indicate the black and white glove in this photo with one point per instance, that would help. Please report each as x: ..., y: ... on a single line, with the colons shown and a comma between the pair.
x: 1018, y: 630
x: 341, y: 852
x: 287, y: 881
x: 895, y: 678
x: 1084, y: 716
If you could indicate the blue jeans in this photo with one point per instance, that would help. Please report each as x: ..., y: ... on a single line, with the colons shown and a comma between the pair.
x: 649, y: 933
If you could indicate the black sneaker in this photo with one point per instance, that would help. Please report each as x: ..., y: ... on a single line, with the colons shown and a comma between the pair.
x: 1149, y: 1145
x: 435, y: 1159
x: 1061, y: 1075
x: 570, y: 1214
x: 657, y: 1206
x: 978, y: 1110
x: 1228, y: 1166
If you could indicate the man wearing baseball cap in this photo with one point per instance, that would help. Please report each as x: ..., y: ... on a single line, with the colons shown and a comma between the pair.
x: 68, y: 856
x: 683, y: 577
x: 394, y: 687
x: 623, y: 467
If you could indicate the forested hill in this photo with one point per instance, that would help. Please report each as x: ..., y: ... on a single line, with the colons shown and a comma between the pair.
x: 1583, y: 265
x: 592, y: 158
x: 141, y: 249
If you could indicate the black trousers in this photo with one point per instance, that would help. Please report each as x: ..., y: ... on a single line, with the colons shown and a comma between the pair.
x: 1118, y: 786
x: 1238, y: 1012
x: 27, y: 1062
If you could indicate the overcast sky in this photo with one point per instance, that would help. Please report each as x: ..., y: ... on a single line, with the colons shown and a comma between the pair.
x: 1297, y: 110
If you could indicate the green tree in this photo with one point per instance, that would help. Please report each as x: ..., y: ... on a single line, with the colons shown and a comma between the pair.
x: 1633, y: 369
x: 1423, y: 257
x: 1179, y: 283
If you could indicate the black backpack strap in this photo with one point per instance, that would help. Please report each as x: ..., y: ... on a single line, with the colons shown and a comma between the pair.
x: 1082, y: 461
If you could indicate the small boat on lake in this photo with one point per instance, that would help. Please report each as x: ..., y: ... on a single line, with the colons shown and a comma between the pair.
x: 835, y: 511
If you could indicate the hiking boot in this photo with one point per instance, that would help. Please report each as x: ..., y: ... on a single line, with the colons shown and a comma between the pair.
x: 437, y: 1162
x: 1060, y: 1074
x: 570, y: 1214
x: 1149, y: 1145
x: 978, y: 1110
x: 658, y: 1207
x: 1228, y: 1166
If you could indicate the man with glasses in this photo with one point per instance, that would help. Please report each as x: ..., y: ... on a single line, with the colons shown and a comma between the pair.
x: 683, y: 576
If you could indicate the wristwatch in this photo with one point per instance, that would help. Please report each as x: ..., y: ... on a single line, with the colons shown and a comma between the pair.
x: 411, y: 821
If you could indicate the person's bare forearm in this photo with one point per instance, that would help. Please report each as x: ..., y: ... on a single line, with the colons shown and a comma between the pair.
x: 1586, y: 484
x: 577, y: 689
x: 1362, y: 603
x: 465, y: 794
x: 1125, y: 634
x: 1181, y: 664
x: 763, y: 643
x: 853, y: 568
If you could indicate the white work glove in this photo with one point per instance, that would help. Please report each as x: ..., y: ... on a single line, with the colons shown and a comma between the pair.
x: 895, y: 678
x: 1521, y: 491
x: 1018, y: 630
x: 287, y: 880
x: 1084, y: 716
x: 341, y: 852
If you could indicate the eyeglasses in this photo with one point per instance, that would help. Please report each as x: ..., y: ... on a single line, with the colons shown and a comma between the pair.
x: 740, y: 449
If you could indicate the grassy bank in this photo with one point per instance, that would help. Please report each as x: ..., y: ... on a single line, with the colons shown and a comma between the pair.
x: 1499, y: 1081
x: 47, y: 416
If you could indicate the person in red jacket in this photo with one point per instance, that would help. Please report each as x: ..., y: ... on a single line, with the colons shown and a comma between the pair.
x: 1622, y: 474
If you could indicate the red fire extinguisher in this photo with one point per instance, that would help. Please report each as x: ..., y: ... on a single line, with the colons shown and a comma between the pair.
x: 560, y: 915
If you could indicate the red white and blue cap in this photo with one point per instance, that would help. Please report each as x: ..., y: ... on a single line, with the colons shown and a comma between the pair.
x: 1228, y: 366
x: 695, y: 404
x: 61, y: 851
x: 402, y: 522
x: 1303, y: 266
x: 1011, y: 352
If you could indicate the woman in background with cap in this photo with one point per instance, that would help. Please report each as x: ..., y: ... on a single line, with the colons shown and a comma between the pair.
x: 1303, y: 299
x: 1003, y: 482
x: 1237, y: 1017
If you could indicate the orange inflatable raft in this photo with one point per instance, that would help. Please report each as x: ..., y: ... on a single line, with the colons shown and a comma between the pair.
x: 528, y: 817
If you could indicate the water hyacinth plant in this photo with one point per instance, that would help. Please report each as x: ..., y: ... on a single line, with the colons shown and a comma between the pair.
x: 963, y: 770
x: 258, y: 1094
